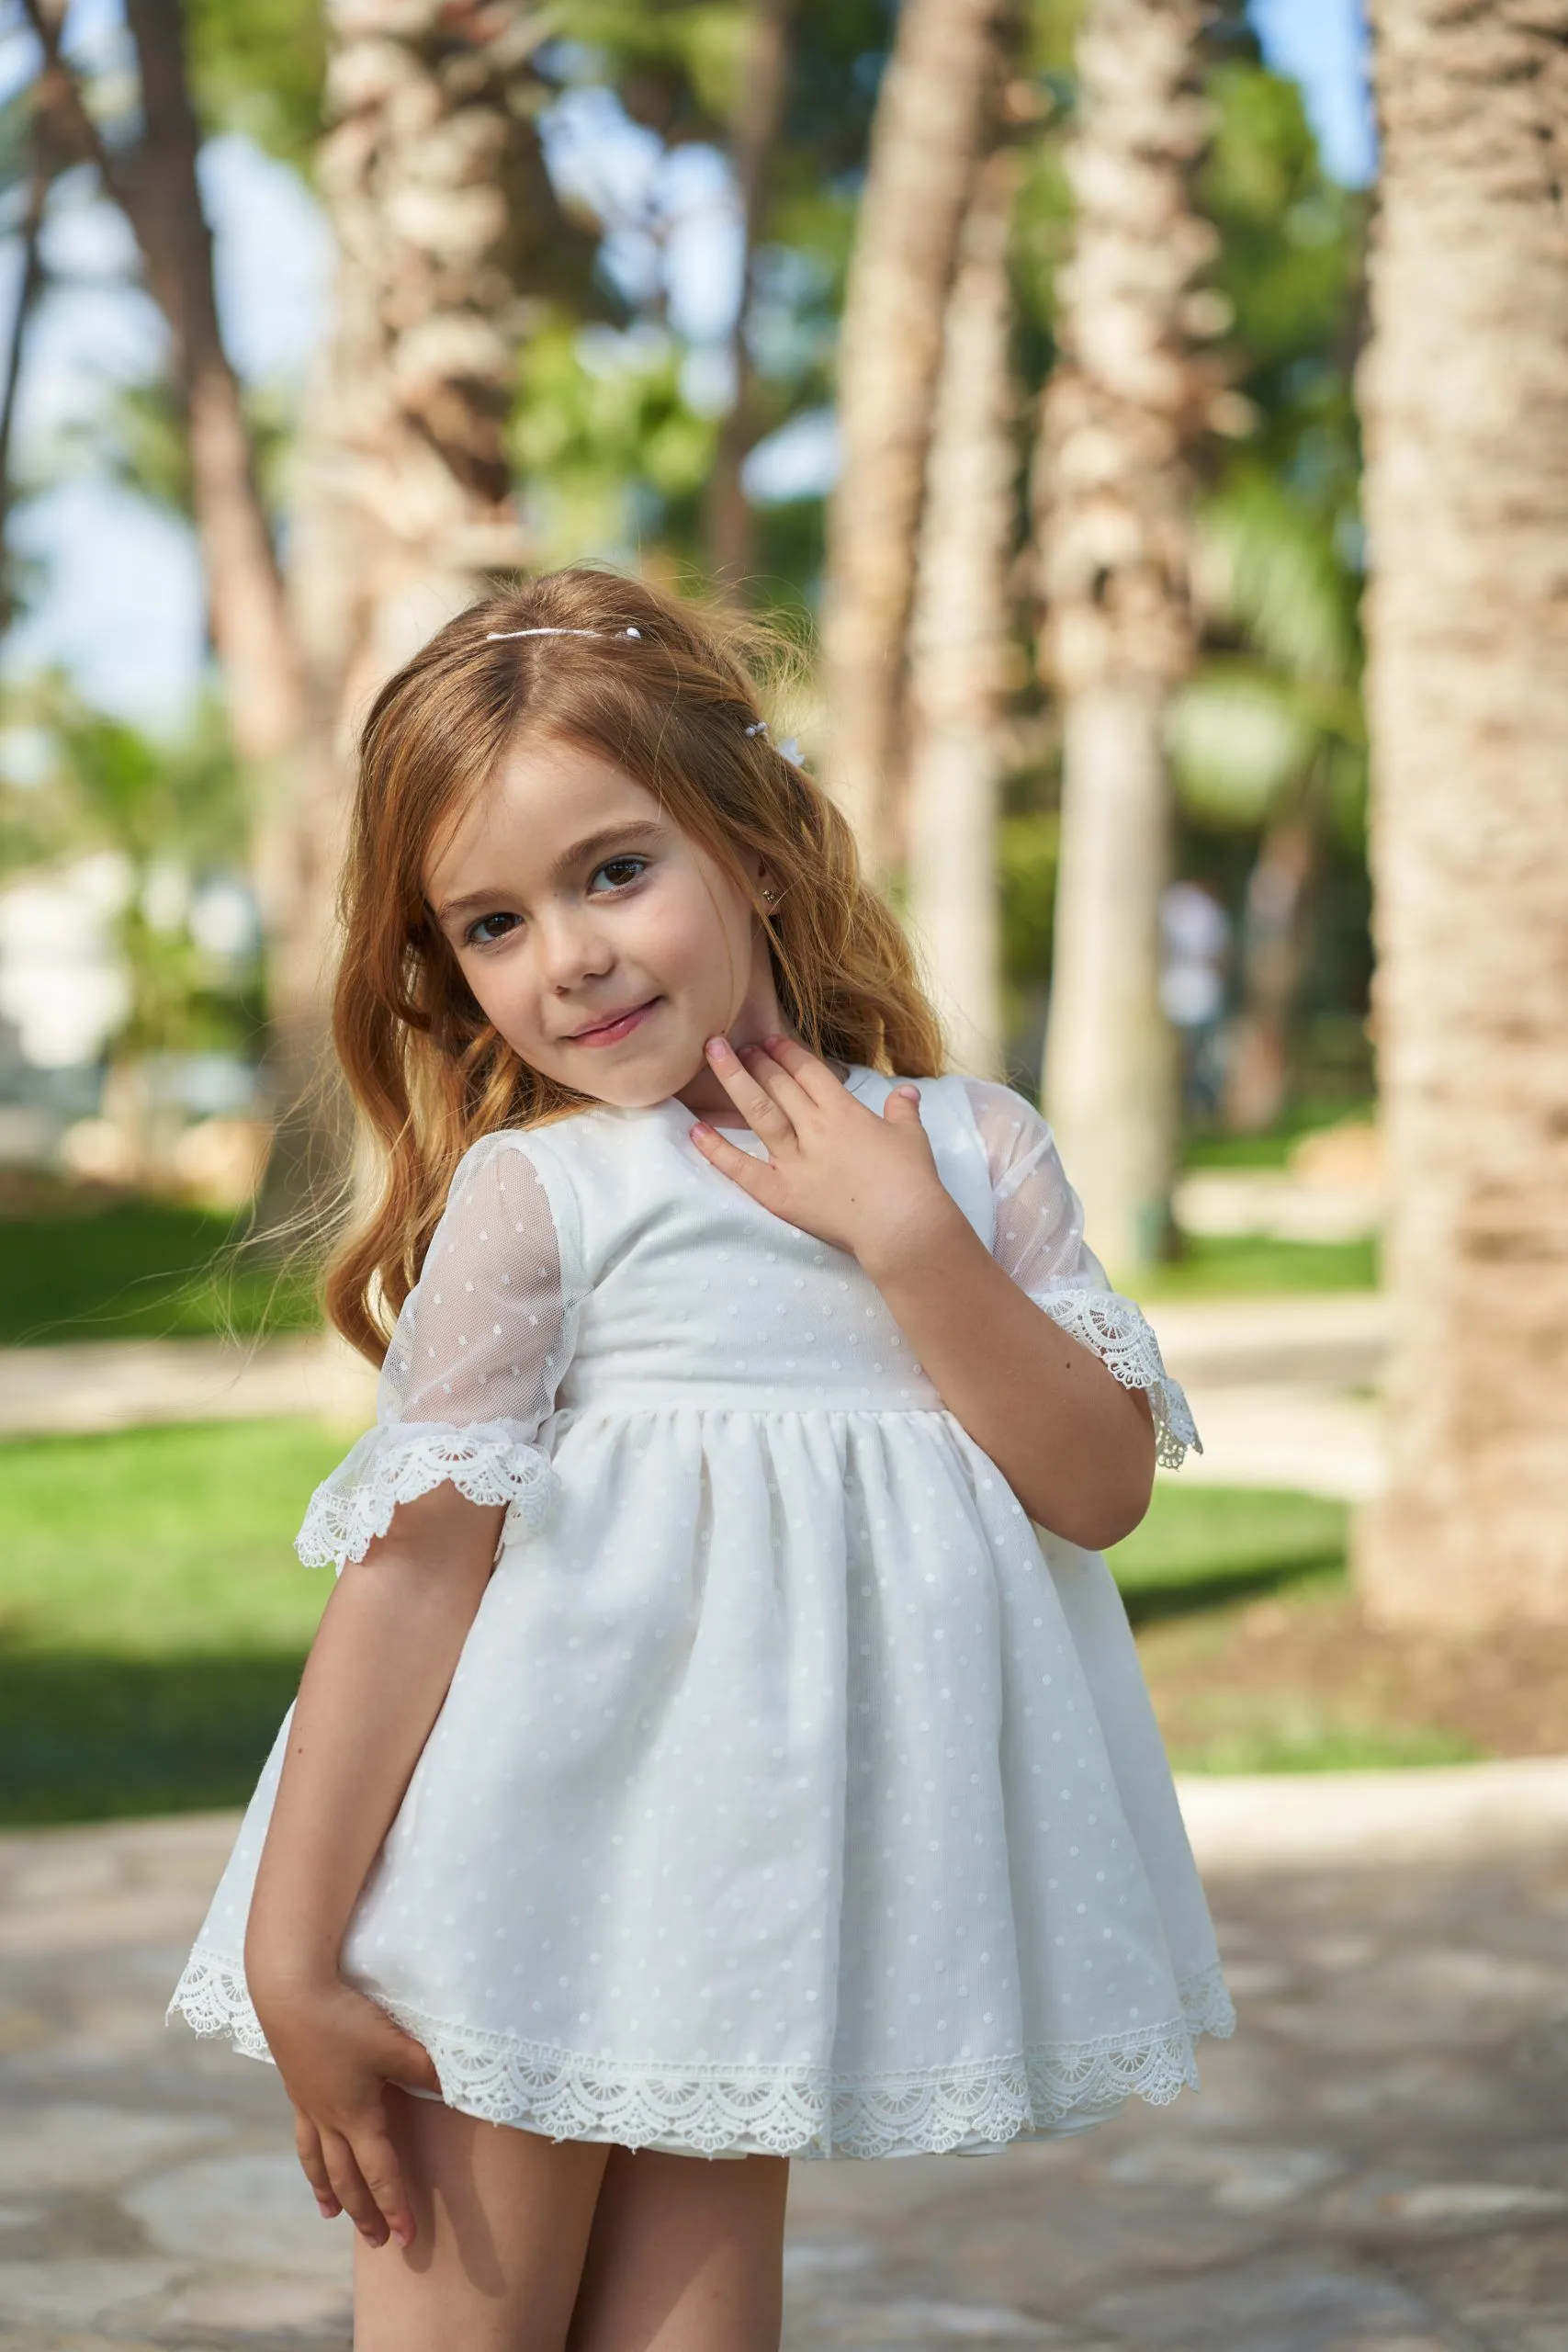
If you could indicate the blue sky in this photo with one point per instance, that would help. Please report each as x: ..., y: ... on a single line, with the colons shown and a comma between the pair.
x: 122, y: 606
x: 1323, y: 44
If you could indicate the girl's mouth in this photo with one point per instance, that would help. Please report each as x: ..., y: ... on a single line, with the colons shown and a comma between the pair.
x: 610, y: 1032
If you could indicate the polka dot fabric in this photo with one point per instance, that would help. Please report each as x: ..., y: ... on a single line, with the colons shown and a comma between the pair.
x: 792, y: 1793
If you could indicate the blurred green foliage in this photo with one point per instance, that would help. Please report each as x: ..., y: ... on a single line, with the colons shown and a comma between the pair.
x: 1275, y: 711
x: 610, y: 455
x: 259, y: 67
x: 174, y: 815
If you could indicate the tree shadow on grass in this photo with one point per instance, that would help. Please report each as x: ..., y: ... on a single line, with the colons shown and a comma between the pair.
x: 1150, y: 1603
x: 85, y: 1737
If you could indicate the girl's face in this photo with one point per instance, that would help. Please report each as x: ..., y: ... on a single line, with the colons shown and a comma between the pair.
x: 603, y: 944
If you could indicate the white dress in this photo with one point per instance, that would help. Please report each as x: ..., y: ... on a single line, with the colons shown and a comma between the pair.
x: 790, y: 1796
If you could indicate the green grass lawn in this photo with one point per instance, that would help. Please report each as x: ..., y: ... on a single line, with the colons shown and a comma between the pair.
x: 153, y: 1616
x: 153, y: 1619
x: 138, y: 1270
x: 1249, y: 1265
x: 1200, y: 1546
x: 1273, y: 1150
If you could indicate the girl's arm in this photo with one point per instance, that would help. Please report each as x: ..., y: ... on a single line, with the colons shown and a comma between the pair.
x: 377, y: 1673
x: 1075, y: 1445
x: 410, y: 1519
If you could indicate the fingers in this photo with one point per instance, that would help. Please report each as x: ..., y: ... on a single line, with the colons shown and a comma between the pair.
x: 358, y: 2174
x: 348, y: 2187
x: 810, y: 1073
x: 762, y: 1114
x: 383, y: 2177
x: 779, y: 1083
x: 308, y: 2146
x: 902, y: 1108
x: 412, y: 2066
x: 729, y: 1159
x: 365, y: 2178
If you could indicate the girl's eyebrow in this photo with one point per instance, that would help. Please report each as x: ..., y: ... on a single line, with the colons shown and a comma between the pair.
x: 636, y: 828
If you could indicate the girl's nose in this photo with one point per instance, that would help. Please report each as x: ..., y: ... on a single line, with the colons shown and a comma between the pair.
x: 572, y: 948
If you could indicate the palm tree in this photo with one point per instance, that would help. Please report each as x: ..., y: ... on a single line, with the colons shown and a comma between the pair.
x: 451, y: 243
x: 959, y: 633
x: 1121, y: 409
x: 449, y: 240
x: 1465, y: 402
x: 930, y: 127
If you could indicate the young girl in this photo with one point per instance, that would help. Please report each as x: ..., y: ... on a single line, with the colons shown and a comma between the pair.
x: 702, y: 1754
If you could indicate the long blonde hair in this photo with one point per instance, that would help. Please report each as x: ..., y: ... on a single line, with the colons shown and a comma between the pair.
x: 671, y: 706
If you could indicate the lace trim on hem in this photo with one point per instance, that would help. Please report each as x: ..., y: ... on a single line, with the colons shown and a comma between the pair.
x: 1122, y: 1338
x: 775, y: 2110
x: 489, y: 1461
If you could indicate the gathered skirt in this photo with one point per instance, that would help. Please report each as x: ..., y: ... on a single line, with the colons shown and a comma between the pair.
x: 791, y: 1795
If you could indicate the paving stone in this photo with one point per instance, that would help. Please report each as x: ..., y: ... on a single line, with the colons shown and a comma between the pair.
x: 1242, y: 2179
x: 77, y: 2290
x: 81, y: 2147
x: 1281, y: 2306
x: 1377, y: 2163
x: 922, y: 2322
x: 1382, y: 2203
x: 244, y: 2303
x: 254, y: 2210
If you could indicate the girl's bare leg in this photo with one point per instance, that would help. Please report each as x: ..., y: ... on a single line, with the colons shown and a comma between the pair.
x: 684, y: 2255
x: 502, y: 2226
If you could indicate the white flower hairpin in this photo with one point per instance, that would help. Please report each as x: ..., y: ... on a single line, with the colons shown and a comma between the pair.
x: 788, y: 750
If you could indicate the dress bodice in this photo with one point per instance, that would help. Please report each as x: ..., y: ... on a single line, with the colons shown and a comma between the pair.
x: 695, y: 1292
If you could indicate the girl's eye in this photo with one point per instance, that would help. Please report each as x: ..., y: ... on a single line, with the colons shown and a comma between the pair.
x: 621, y: 870
x: 488, y: 930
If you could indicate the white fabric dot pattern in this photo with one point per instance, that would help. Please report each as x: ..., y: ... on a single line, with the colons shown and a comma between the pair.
x: 731, y: 1833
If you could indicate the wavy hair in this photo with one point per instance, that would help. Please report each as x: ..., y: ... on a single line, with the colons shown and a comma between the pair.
x: 673, y: 706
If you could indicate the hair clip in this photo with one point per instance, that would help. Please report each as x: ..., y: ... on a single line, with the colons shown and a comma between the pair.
x: 759, y: 728
x: 491, y: 635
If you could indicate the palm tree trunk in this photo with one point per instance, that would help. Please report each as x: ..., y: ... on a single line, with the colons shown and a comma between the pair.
x: 433, y: 179
x: 729, y: 521
x: 1465, y: 397
x: 930, y: 126
x: 959, y: 633
x: 1112, y: 491
x: 450, y: 240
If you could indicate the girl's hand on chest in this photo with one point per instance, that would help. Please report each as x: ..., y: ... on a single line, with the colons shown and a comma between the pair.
x: 865, y: 1183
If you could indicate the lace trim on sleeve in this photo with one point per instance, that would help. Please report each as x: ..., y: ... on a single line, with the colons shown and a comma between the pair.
x: 1122, y: 1340
x: 489, y: 1461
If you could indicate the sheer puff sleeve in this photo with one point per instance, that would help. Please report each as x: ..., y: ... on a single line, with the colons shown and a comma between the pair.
x: 474, y: 1364
x: 1040, y: 1243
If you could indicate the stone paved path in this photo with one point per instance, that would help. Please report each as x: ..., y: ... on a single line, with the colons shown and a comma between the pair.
x: 1378, y: 2162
